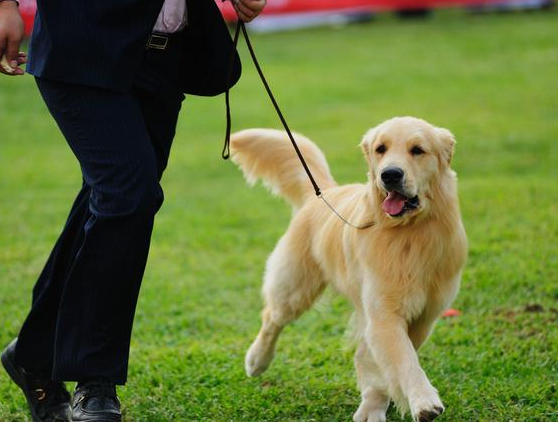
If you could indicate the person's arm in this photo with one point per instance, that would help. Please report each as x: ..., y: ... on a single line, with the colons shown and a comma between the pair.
x: 247, y: 10
x: 11, y: 33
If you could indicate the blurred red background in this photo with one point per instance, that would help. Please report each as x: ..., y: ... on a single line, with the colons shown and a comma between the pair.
x: 278, y: 7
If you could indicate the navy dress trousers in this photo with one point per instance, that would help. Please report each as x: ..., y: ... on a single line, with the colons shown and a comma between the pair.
x: 117, y: 105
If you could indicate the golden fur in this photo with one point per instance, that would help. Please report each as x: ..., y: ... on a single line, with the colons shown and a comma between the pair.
x: 399, y: 274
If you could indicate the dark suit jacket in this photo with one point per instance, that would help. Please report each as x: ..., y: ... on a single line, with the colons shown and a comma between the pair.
x: 101, y: 43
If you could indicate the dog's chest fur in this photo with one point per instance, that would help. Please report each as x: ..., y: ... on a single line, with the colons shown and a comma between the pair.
x: 404, y: 268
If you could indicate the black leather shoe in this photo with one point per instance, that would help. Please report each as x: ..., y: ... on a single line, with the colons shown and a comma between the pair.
x: 48, y: 400
x: 96, y: 401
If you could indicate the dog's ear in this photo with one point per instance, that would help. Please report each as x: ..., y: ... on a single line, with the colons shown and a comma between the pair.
x: 367, y: 141
x: 448, y: 143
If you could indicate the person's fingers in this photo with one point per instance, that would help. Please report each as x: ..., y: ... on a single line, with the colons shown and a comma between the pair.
x: 247, y: 10
x: 17, y: 72
x: 21, y: 59
x: 242, y: 9
x: 12, y: 52
x: 246, y: 6
x: 3, y: 41
x: 241, y: 15
x: 254, y: 5
x: 6, y: 69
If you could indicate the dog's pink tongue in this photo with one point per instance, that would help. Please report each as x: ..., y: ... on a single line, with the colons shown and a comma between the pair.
x: 394, y: 203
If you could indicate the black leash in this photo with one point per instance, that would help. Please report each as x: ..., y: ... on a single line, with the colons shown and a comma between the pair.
x: 226, y: 148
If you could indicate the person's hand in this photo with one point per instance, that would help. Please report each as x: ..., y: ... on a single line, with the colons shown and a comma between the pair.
x: 247, y: 10
x: 12, y: 31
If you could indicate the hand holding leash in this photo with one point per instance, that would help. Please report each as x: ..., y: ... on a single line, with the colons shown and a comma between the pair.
x: 247, y: 10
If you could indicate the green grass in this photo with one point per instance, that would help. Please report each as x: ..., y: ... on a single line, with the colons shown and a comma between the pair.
x: 492, y: 80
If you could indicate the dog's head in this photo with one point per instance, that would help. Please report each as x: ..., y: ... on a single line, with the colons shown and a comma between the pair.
x: 408, y: 160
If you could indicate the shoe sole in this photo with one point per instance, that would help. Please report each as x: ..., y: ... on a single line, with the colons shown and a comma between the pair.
x: 103, y: 418
x: 97, y: 420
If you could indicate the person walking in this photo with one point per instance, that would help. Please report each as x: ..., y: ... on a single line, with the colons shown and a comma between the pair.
x: 113, y: 75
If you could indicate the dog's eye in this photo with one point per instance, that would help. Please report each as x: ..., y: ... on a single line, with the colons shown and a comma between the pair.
x: 380, y: 149
x: 416, y: 150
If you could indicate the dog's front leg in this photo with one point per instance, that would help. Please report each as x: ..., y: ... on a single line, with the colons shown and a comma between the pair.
x: 372, y: 387
x: 386, y: 336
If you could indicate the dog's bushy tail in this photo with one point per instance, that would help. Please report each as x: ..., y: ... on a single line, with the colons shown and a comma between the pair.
x: 268, y: 154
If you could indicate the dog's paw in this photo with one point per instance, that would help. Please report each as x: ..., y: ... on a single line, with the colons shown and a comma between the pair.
x: 368, y: 412
x: 257, y: 360
x: 427, y: 408
x: 430, y: 415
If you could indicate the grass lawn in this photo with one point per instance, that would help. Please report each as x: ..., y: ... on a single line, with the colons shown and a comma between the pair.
x: 492, y: 80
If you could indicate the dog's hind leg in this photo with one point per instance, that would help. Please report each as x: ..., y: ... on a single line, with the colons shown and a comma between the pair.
x: 292, y: 284
x: 374, y: 402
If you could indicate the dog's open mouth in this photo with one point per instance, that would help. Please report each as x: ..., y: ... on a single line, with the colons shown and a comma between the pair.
x: 397, y: 204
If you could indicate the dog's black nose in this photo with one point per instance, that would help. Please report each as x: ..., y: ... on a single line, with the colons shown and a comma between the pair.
x: 392, y: 176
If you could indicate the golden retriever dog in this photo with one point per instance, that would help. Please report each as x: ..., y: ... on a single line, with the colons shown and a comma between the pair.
x: 399, y: 274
